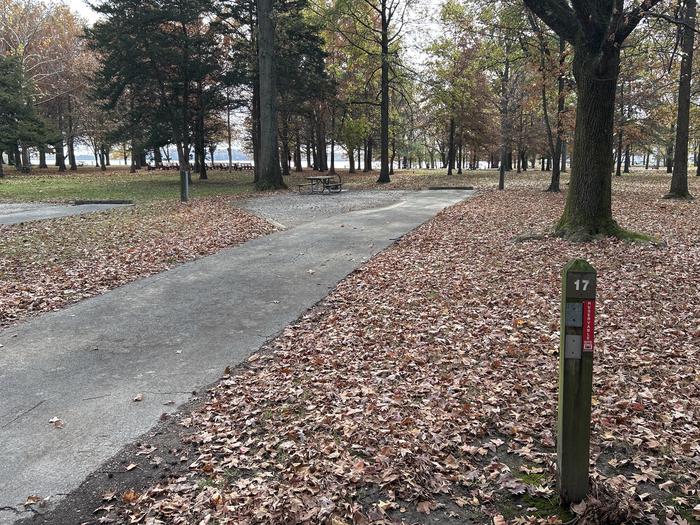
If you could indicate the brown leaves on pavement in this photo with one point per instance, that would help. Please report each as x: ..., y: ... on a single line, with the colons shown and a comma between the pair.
x: 426, y: 387
x: 48, y: 265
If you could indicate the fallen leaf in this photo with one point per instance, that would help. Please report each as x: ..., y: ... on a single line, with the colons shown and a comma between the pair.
x: 56, y: 422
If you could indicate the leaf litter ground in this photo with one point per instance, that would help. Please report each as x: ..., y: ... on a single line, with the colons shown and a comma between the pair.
x: 48, y: 265
x: 423, y: 390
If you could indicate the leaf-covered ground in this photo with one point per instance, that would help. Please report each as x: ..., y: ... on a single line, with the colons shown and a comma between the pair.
x: 47, y: 265
x: 424, y: 389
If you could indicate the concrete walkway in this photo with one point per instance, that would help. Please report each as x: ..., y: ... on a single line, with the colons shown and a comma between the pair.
x: 26, y: 212
x: 164, y: 337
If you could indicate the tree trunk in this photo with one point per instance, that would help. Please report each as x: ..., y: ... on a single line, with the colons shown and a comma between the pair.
x: 270, y: 175
x: 451, y: 148
x: 384, y: 139
x: 368, y: 155
x: 588, y: 210
x: 563, y: 156
x: 618, y: 156
x: 554, y: 184
x: 200, y: 133
x: 297, y: 154
x: 460, y: 158
x: 321, y: 143
x: 17, y: 156
x: 255, y: 130
x: 351, y: 160
x: 285, y: 146
x: 669, y: 151
x: 627, y: 159
x: 504, y: 124
x: 26, y: 160
x: 679, y: 180
x: 42, y: 157
x: 229, y: 133
x: 71, y: 138
x: 332, y: 170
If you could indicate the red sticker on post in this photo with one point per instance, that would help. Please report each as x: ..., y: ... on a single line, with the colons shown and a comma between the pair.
x: 588, y: 325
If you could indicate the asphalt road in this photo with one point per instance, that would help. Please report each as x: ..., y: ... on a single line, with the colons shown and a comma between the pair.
x: 165, y: 336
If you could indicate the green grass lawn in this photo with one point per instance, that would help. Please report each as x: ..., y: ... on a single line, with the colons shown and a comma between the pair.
x: 148, y: 186
x: 116, y: 184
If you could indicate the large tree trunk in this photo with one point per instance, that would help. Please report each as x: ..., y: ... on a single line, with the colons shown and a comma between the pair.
x: 588, y: 210
x: 679, y: 180
x: 270, y: 176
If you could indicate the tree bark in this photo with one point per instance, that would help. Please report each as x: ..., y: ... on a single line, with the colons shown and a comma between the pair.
x: 679, y: 180
x: 505, y: 79
x: 554, y: 185
x: 200, y: 133
x: 332, y: 168
x: 42, y: 157
x: 285, y: 146
x: 451, y: 147
x: 71, y: 138
x: 384, y: 131
x: 270, y: 176
x: 297, y: 154
x: 588, y: 210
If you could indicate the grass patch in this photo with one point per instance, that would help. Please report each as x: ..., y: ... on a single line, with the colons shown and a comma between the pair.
x: 117, y: 184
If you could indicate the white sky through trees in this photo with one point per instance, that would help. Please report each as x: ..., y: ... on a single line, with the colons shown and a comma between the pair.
x: 421, y: 17
x: 83, y: 9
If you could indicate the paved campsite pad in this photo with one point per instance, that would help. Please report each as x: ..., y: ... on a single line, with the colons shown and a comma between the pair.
x: 291, y: 209
x: 162, y: 337
x: 26, y: 212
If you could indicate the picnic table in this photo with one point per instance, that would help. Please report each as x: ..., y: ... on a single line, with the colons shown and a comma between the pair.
x: 322, y: 183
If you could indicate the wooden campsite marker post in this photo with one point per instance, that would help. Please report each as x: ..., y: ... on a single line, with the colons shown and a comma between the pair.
x: 575, y: 379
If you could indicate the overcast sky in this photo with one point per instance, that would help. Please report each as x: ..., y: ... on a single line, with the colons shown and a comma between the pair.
x: 81, y: 7
x: 422, y: 12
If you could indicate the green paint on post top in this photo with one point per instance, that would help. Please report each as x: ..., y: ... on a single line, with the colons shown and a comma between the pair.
x: 575, y: 391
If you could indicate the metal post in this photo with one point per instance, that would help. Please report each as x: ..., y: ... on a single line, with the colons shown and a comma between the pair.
x: 575, y: 379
